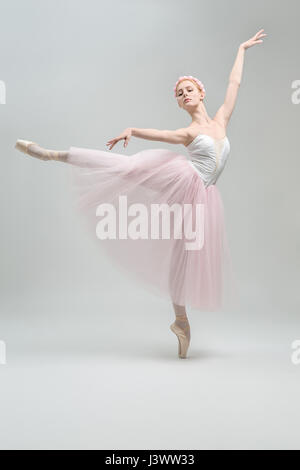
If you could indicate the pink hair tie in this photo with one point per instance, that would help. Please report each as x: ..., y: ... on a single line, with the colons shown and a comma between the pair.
x: 189, y: 77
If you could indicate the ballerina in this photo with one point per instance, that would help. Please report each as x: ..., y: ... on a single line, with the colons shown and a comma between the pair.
x: 195, y: 277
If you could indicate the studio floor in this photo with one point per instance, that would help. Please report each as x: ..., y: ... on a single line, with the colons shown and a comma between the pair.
x: 77, y: 380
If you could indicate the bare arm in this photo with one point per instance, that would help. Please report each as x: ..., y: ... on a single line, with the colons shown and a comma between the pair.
x: 226, y: 109
x: 177, y: 136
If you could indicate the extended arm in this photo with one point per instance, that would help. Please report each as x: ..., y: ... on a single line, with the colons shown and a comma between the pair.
x: 177, y: 136
x: 226, y: 109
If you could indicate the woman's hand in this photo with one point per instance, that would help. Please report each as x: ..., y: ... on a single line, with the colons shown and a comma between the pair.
x: 126, y: 135
x: 254, y: 40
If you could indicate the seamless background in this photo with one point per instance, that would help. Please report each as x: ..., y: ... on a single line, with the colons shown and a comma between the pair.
x: 91, y: 362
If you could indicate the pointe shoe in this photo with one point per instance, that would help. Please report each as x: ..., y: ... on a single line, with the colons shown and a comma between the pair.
x: 23, y: 146
x: 183, y: 341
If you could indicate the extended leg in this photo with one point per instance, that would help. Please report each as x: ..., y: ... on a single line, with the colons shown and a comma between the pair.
x: 35, y: 150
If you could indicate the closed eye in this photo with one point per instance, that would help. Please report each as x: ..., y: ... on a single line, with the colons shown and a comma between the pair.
x: 179, y: 94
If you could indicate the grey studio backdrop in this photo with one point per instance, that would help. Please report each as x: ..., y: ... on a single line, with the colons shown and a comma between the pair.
x: 90, y: 360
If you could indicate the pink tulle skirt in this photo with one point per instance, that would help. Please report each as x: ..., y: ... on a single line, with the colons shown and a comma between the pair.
x: 200, y: 276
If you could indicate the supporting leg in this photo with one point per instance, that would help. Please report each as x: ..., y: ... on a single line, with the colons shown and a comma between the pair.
x: 182, y: 319
x: 181, y: 328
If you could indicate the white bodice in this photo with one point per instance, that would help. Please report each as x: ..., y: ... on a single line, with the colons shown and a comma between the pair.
x: 208, y: 156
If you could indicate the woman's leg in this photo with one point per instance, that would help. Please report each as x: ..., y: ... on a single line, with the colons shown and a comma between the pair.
x: 37, y: 151
x: 182, y: 319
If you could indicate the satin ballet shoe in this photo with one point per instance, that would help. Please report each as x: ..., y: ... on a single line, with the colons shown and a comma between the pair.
x: 183, y: 341
x: 23, y: 146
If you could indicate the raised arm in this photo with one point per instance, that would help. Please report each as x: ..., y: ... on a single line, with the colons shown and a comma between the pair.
x: 225, y: 111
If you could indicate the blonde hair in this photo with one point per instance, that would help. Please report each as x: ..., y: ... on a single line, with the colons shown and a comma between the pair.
x: 196, y: 82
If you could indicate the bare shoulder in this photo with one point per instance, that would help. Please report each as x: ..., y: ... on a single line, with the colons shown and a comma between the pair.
x: 216, y: 130
x: 184, y: 133
x: 188, y: 134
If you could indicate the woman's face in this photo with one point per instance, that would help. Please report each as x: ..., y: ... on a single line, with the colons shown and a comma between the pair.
x: 188, y: 94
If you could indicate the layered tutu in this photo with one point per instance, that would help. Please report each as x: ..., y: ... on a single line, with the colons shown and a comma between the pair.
x: 192, y: 269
